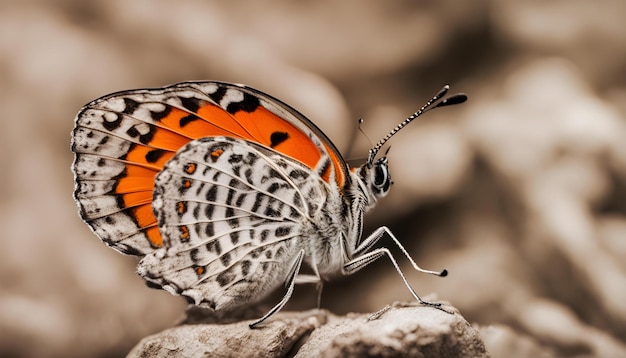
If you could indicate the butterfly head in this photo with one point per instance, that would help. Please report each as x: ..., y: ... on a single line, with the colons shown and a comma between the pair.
x: 375, y: 180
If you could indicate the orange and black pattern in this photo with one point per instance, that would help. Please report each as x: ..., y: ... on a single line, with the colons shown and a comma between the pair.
x: 124, y: 139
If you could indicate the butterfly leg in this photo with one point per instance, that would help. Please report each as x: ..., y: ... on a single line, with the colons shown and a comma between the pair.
x: 363, y: 256
x: 289, y: 283
x: 374, y: 237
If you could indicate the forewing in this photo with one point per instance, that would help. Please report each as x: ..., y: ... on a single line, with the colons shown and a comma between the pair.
x: 124, y: 139
x: 232, y: 214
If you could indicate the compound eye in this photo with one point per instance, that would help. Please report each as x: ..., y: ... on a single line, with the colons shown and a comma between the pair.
x: 380, y: 175
x: 381, y: 180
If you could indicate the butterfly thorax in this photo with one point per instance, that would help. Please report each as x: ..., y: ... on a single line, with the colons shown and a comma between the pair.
x: 324, y: 234
x: 341, y: 218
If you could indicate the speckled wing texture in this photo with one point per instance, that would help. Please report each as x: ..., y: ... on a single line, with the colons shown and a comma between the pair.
x: 232, y: 214
x: 123, y: 140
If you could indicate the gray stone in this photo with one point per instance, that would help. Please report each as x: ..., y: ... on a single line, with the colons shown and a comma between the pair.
x: 402, y: 330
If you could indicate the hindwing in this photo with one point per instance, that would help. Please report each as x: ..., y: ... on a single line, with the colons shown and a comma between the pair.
x: 231, y: 213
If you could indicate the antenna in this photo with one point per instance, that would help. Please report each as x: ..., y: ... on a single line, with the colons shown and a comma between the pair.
x: 362, y: 131
x: 435, y: 102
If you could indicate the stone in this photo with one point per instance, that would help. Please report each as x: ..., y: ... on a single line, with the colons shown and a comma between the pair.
x: 401, y: 329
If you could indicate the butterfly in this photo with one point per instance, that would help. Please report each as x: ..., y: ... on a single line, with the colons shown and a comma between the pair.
x: 226, y: 192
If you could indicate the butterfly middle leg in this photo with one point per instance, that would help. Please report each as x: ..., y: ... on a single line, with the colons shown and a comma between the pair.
x: 363, y: 255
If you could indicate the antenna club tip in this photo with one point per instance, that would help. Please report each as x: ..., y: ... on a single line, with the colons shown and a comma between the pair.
x: 443, y: 273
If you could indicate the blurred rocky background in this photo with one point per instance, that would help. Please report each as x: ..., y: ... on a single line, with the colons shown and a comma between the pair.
x: 520, y: 193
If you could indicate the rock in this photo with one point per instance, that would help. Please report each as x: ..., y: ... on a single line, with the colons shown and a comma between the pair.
x: 402, y: 330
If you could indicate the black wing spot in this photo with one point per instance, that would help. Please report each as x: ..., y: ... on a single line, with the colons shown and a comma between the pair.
x: 225, y: 278
x: 211, y: 195
x: 218, y: 95
x: 130, y: 105
x: 294, y: 214
x: 248, y: 175
x: 245, y: 267
x: 209, y: 230
x: 157, y: 116
x: 196, y: 212
x: 214, y: 246
x: 258, y: 200
x: 229, y: 200
x: 297, y: 201
x: 273, y: 188
x: 298, y: 174
x: 194, y: 255
x: 225, y: 259
x: 146, y: 138
x: 119, y: 200
x: 277, y: 138
x: 104, y: 140
x: 111, y: 125
x: 234, y: 237
x: 265, y: 265
x: 230, y: 212
x: 249, y: 104
x: 191, y: 104
x: 240, y: 200
x: 143, y: 138
x: 235, y: 158
x: 208, y: 211
x: 132, y: 132
x: 282, y: 231
x: 264, y: 235
x: 188, y: 119
x: 271, y: 212
x: 154, y: 155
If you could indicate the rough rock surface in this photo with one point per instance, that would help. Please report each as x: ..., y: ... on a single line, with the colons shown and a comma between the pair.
x: 403, y: 330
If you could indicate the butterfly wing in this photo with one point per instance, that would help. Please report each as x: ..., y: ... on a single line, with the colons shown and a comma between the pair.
x: 124, y: 139
x: 231, y: 213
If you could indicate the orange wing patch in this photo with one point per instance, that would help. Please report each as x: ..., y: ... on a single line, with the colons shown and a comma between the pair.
x: 270, y: 130
x: 154, y: 236
x: 209, y: 120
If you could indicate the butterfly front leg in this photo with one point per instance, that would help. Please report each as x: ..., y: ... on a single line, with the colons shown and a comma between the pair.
x: 363, y: 255
x: 289, y: 283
